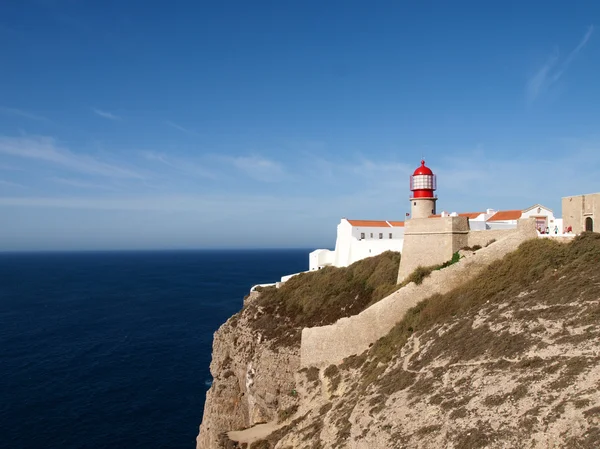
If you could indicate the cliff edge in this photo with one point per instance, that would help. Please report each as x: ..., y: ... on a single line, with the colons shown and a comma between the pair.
x: 508, y: 358
x: 256, y: 353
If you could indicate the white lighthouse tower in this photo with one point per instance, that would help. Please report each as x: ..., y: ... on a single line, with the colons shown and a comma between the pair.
x: 422, y: 186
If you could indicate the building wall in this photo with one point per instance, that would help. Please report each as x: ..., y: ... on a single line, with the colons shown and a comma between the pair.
x: 477, y: 225
x: 360, y: 249
x: 320, y: 258
x: 540, y: 212
x: 506, y: 224
x: 350, y: 247
x: 324, y: 345
x: 431, y: 241
x: 575, y: 209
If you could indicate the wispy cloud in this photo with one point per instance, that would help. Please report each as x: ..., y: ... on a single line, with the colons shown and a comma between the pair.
x: 21, y: 113
x: 180, y: 128
x: 180, y: 164
x: 45, y: 149
x: 81, y: 184
x: 554, y: 69
x: 10, y: 184
x: 9, y: 168
x: 105, y: 114
x: 259, y: 168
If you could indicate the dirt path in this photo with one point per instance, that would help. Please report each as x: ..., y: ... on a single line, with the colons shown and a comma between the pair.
x: 252, y: 434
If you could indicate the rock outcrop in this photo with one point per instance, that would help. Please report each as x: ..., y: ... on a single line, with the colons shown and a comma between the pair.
x: 509, y: 358
x: 252, y: 379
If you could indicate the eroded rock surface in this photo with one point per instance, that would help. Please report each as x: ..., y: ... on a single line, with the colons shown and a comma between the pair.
x: 252, y: 380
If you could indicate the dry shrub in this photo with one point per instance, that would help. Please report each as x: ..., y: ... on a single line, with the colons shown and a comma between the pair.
x: 420, y: 273
x: 322, y: 297
x: 539, y: 261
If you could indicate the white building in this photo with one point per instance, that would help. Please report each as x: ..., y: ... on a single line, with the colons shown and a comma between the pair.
x: 544, y: 218
x: 358, y: 239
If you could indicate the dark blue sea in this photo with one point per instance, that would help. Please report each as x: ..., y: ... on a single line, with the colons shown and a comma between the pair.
x: 112, y: 350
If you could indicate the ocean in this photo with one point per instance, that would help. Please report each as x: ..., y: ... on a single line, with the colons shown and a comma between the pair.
x: 112, y: 349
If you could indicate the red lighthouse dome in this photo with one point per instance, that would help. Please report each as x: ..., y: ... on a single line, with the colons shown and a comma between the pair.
x: 423, y: 182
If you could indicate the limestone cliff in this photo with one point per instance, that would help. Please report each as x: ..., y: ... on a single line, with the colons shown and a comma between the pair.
x: 510, y: 358
x: 256, y: 353
x: 252, y: 379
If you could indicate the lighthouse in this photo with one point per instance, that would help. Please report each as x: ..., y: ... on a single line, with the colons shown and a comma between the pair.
x: 422, y: 185
x: 428, y: 239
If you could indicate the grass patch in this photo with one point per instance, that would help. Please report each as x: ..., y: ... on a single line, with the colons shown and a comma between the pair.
x: 322, y: 297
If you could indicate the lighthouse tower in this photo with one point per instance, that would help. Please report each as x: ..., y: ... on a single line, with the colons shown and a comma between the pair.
x: 422, y: 185
x: 428, y: 240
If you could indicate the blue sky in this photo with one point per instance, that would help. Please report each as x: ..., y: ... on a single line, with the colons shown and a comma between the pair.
x: 132, y: 125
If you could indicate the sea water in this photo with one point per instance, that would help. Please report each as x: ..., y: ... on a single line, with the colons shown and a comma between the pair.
x: 112, y: 349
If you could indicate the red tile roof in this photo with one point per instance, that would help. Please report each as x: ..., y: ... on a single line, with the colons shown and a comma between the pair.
x: 370, y: 223
x: 502, y: 215
x: 397, y: 224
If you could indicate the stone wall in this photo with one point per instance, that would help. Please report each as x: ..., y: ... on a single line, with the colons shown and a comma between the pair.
x: 324, y: 345
x: 431, y: 241
x: 482, y: 238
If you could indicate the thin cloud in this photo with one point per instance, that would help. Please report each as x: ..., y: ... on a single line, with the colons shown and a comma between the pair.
x: 553, y: 69
x: 259, y: 168
x: 180, y: 128
x: 21, y: 113
x: 81, y: 184
x: 182, y: 165
x: 45, y: 149
x: 105, y: 114
x: 10, y: 184
x: 9, y: 168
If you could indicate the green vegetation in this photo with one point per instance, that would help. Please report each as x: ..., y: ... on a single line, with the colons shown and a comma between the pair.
x: 322, y: 297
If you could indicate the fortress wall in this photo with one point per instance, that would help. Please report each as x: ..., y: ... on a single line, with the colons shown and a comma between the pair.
x: 324, y: 345
x: 482, y: 238
x: 431, y: 241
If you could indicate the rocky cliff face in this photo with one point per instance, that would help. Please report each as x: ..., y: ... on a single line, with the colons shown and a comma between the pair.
x: 509, y: 359
x: 252, y: 379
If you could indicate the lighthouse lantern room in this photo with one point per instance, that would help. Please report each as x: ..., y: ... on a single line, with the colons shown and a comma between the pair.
x: 422, y: 185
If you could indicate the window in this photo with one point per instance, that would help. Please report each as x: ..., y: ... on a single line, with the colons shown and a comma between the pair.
x: 362, y: 235
x: 390, y: 235
x: 371, y: 235
x: 380, y: 235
